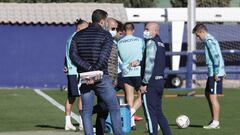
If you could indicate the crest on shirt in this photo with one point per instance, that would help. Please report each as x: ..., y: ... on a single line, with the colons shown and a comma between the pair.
x: 160, y: 44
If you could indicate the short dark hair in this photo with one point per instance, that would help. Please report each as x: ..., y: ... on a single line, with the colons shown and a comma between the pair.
x: 120, y: 26
x: 98, y: 15
x: 79, y: 22
x: 198, y: 27
x: 128, y: 26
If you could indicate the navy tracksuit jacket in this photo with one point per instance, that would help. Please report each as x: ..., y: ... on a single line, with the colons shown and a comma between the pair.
x: 153, y: 65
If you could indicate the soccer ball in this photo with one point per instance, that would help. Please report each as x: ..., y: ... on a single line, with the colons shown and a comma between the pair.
x: 183, y: 121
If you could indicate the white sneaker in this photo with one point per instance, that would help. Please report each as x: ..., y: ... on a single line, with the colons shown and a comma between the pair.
x: 69, y: 127
x: 212, y: 126
x: 80, y: 127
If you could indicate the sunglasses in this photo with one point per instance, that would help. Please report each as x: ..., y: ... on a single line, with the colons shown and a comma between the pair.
x: 113, y: 29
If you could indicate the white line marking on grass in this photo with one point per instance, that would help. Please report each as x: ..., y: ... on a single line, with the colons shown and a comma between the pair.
x: 55, y: 103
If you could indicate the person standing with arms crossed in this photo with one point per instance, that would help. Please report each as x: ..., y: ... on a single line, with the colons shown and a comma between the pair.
x: 73, y: 90
x: 90, y: 51
x: 130, y: 50
x: 154, y: 61
x: 216, y: 72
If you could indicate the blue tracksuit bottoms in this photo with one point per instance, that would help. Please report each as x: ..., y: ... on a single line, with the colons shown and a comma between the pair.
x: 152, y: 104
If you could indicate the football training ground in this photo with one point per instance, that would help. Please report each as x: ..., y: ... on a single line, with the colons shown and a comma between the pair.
x: 24, y: 112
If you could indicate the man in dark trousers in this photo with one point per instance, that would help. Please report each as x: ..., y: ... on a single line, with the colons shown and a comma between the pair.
x: 153, y: 80
x: 90, y: 51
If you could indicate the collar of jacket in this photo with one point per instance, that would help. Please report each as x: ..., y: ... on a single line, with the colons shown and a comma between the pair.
x: 96, y: 25
x: 156, y: 39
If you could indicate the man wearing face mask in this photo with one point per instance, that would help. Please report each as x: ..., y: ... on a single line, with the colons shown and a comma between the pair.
x: 90, y: 51
x: 113, y: 59
x: 153, y: 80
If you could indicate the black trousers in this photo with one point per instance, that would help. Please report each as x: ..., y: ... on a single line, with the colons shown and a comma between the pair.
x: 102, y: 113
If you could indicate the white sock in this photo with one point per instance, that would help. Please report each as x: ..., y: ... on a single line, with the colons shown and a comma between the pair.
x: 80, y: 120
x: 215, y: 122
x: 68, y: 119
x: 132, y: 122
x: 132, y: 111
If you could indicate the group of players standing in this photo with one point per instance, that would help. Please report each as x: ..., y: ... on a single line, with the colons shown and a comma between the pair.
x: 138, y: 64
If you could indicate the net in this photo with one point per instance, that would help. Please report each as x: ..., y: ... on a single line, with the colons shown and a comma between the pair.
x: 228, y: 37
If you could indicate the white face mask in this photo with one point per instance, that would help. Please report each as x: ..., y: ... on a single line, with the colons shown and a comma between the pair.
x: 147, y: 35
x: 113, y: 32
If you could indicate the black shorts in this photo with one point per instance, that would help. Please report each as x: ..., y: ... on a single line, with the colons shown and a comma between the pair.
x: 214, y: 87
x: 73, y: 90
x: 120, y: 83
x: 133, y: 81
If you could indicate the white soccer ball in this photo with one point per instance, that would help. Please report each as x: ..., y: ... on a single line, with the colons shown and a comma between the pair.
x: 183, y: 121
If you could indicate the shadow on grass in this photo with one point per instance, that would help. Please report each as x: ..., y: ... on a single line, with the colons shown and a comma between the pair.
x: 49, y: 126
x: 196, y: 126
x: 193, y: 126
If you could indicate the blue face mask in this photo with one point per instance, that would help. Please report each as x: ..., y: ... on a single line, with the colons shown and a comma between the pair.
x: 147, y: 35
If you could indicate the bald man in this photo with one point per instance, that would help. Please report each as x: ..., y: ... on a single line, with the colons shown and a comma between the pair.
x: 113, y: 59
x: 153, y: 80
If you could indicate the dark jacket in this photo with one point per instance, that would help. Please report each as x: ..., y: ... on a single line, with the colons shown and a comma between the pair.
x: 91, y: 48
x: 155, y: 64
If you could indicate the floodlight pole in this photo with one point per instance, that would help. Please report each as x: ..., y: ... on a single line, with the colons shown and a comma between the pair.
x: 191, y: 38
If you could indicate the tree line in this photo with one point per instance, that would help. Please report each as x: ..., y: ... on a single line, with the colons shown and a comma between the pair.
x: 136, y: 3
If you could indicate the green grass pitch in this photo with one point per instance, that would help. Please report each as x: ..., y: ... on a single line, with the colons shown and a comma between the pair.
x: 24, y: 110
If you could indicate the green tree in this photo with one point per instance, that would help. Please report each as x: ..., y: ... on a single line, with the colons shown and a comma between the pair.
x: 127, y: 3
x: 179, y: 3
x: 202, y: 3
